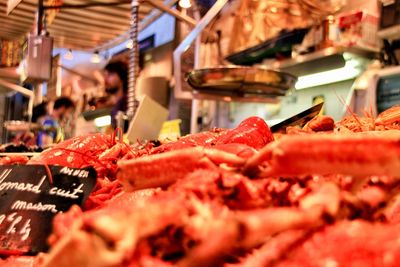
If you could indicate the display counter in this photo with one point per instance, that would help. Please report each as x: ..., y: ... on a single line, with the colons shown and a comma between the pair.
x: 242, y: 196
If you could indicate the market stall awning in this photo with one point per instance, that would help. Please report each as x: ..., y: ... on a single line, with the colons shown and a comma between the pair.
x: 75, y: 28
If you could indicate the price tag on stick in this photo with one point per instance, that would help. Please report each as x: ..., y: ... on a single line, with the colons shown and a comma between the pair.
x: 28, y: 203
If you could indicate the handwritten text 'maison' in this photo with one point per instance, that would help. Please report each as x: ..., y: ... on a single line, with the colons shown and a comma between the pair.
x: 23, y: 205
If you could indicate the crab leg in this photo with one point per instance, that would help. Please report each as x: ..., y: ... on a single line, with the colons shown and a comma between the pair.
x: 249, y: 229
x: 166, y: 168
x: 389, y: 116
x: 354, y: 155
x: 105, y: 238
x: 246, y: 230
x: 273, y: 249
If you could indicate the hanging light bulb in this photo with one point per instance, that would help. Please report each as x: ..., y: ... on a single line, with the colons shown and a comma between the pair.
x: 185, y: 3
x: 68, y: 55
x: 95, y: 57
x: 20, y: 68
x: 129, y: 44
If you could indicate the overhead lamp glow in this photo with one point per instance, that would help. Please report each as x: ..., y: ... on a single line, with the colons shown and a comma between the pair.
x: 95, y: 57
x: 102, y: 121
x: 129, y: 44
x: 68, y: 55
x: 19, y: 69
x: 185, y: 3
x: 350, y: 71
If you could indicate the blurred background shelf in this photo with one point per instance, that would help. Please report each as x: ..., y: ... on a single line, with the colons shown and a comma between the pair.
x: 322, y: 60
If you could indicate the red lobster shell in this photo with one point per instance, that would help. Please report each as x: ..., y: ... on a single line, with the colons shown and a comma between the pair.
x: 97, y: 150
x: 78, y: 152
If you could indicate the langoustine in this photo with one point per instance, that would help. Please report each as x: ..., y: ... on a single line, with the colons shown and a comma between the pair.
x: 356, y: 155
x: 230, y: 148
x: 99, y: 151
x: 386, y: 120
x: 216, y: 214
x: 141, y: 226
x: 214, y: 231
x: 338, y: 159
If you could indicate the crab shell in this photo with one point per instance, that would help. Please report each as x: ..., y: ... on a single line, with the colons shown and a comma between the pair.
x: 77, y: 152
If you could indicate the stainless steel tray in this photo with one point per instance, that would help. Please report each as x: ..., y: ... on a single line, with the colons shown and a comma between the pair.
x: 16, y: 126
x: 241, y: 81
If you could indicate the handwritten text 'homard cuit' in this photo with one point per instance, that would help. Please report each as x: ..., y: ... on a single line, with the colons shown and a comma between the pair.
x: 35, y: 188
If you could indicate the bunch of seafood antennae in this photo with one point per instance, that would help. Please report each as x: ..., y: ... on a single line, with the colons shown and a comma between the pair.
x: 326, y: 194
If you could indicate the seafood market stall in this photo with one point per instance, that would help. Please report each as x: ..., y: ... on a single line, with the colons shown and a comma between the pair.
x: 99, y: 39
x: 327, y: 56
x: 310, y: 190
x: 239, y: 197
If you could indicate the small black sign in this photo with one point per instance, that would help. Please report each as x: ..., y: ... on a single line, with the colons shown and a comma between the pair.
x: 28, y: 203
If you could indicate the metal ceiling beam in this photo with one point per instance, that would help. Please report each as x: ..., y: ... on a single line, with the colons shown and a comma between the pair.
x: 10, y: 23
x: 143, y: 24
x: 113, y: 22
x: 89, y: 4
x: 20, y: 19
x: 11, y: 35
x: 172, y: 12
x: 19, y: 10
x: 17, y: 88
x: 77, y: 42
x: 67, y: 20
x: 108, y: 19
x: 185, y: 44
x: 73, y: 45
x: 75, y: 39
x: 77, y: 8
x: 12, y: 31
x: 86, y: 77
x: 30, y: 6
x: 94, y: 16
x: 121, y: 11
x: 40, y: 14
x: 80, y: 31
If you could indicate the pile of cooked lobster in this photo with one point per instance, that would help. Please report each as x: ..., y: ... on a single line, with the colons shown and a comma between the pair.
x: 324, y: 195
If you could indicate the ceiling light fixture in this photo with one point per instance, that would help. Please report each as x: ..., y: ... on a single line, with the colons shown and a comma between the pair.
x: 69, y: 55
x: 102, y: 121
x: 350, y: 71
x: 129, y: 44
x: 185, y: 3
x: 96, y: 57
x: 20, y: 68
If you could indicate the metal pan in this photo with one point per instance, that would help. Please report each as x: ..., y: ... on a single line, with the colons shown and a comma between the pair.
x: 16, y: 126
x: 281, y: 44
x: 241, y: 81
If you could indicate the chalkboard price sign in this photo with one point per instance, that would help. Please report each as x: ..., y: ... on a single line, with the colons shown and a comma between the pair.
x: 29, y: 201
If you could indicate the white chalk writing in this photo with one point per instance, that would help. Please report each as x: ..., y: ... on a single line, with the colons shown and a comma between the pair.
x: 30, y: 198
x: 66, y: 193
x: 25, y: 187
x: 15, y: 221
x: 23, y: 205
x: 76, y: 173
x: 5, y: 174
